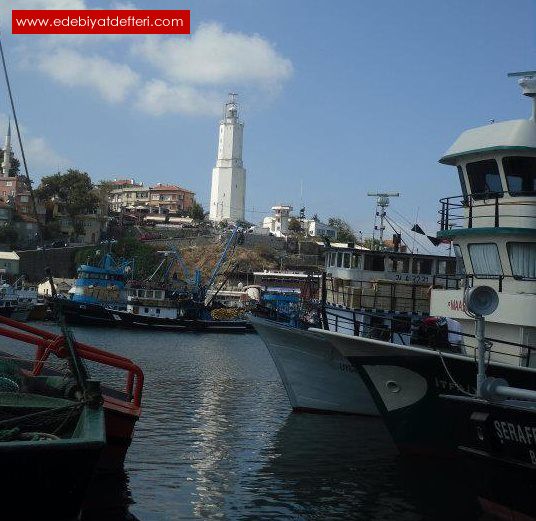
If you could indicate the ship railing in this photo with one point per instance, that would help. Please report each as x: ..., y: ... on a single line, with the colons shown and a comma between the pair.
x: 401, y: 330
x: 468, y: 211
x: 416, y: 298
x: 48, y: 343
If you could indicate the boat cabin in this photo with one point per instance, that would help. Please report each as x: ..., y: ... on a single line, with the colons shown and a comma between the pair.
x: 359, y: 265
x: 492, y: 223
x: 104, y: 283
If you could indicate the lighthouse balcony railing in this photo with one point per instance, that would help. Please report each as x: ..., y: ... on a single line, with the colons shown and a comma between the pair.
x: 488, y: 210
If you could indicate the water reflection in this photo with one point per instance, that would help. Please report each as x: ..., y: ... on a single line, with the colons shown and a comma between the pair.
x: 331, y: 466
x: 108, y: 498
x: 217, y: 440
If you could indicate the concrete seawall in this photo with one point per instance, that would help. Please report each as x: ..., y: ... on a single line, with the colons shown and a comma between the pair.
x: 60, y: 261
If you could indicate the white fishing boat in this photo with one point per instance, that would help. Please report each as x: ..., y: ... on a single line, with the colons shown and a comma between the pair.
x: 494, y: 229
x: 493, y: 226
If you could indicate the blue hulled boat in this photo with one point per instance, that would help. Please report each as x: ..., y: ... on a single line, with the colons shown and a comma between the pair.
x: 98, y: 290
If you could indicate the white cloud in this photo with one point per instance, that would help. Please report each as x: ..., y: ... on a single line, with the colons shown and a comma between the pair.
x: 158, y: 97
x: 47, y: 4
x: 7, y: 6
x: 189, y: 75
x: 215, y: 57
x: 113, y: 81
x: 42, y: 157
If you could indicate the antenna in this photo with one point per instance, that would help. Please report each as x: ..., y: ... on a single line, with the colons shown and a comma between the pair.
x: 382, y: 202
x: 528, y: 85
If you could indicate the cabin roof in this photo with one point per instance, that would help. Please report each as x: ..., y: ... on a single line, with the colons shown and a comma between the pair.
x: 8, y: 255
x: 518, y: 134
x: 388, y: 253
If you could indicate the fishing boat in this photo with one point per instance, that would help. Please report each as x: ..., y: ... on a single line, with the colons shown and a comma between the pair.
x: 495, y: 440
x: 494, y: 429
x: 122, y: 406
x: 316, y: 377
x: 97, y: 289
x: 166, y: 307
x: 51, y: 437
x: 493, y: 230
x: 497, y: 245
x: 165, y: 302
x: 19, y: 300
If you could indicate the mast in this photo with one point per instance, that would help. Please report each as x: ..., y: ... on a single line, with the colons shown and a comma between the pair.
x: 382, y: 202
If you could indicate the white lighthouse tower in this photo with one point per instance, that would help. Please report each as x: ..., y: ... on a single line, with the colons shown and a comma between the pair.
x: 228, y: 192
x: 6, y: 163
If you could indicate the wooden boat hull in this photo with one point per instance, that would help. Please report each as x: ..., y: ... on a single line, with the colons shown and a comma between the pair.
x: 120, y: 417
x: 132, y: 321
x: 120, y: 421
x: 46, y: 484
x: 48, y: 479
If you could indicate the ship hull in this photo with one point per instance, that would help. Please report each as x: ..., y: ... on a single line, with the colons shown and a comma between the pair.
x: 85, y: 314
x: 316, y: 377
x: 497, y: 442
x: 406, y: 384
x: 133, y: 321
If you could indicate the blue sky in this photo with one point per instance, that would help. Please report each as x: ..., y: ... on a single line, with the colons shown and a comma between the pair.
x: 341, y: 97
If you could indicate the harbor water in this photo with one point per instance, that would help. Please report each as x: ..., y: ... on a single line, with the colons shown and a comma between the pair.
x: 218, y: 440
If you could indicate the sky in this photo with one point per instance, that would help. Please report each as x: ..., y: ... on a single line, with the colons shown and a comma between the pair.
x: 338, y: 98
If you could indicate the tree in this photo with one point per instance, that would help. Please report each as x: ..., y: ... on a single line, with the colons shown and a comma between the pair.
x: 73, y: 190
x: 15, y: 164
x: 345, y: 233
x: 294, y: 225
x: 372, y: 244
x: 197, y: 213
x: 8, y: 235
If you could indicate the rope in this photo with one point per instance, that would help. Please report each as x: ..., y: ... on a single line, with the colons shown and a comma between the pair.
x: 38, y: 414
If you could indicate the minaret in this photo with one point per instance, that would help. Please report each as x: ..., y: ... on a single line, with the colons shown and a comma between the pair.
x: 228, y: 193
x: 6, y: 163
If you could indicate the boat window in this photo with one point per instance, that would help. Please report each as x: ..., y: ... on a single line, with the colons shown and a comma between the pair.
x: 446, y: 267
x: 158, y: 311
x: 374, y: 263
x: 397, y: 265
x: 346, y: 260
x: 421, y: 266
x: 520, y: 175
x: 146, y: 310
x: 522, y: 259
x: 460, y: 265
x: 462, y: 183
x: 333, y: 259
x: 485, y: 260
x: 484, y: 179
x: 357, y: 261
x: 150, y: 293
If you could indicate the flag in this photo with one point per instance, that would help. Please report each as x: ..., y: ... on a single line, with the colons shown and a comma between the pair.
x: 416, y: 228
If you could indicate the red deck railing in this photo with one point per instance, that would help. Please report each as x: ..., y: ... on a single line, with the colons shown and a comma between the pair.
x: 51, y: 343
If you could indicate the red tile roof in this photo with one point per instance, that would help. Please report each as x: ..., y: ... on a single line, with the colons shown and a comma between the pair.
x: 171, y: 188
